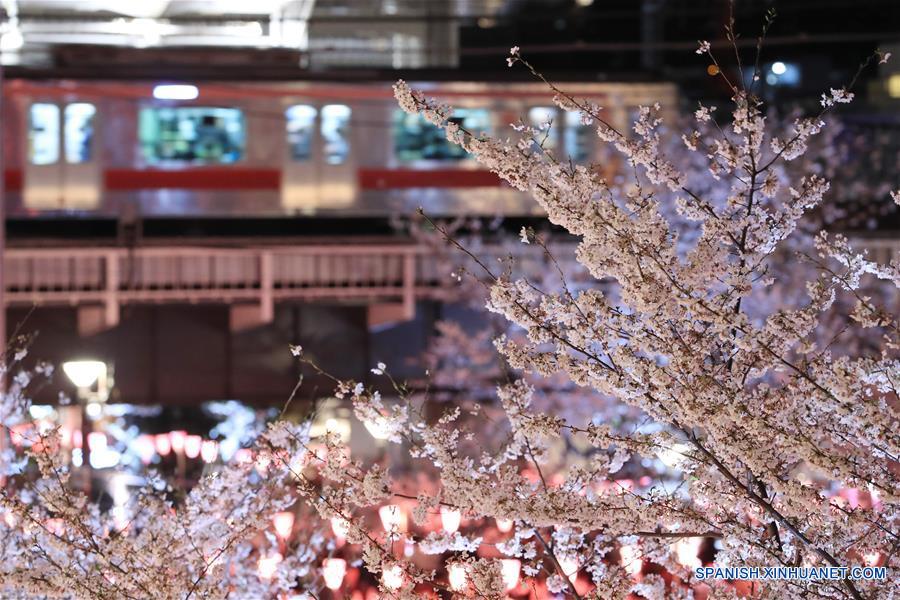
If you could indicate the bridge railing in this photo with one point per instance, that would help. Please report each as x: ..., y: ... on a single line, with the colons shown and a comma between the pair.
x: 362, y: 272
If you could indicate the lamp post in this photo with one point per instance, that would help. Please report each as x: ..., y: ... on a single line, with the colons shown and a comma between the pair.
x: 92, y: 381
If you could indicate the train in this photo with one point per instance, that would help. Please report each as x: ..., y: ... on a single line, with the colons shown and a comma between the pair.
x: 147, y: 150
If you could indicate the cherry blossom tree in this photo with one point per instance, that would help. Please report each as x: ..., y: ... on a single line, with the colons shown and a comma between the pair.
x: 766, y: 418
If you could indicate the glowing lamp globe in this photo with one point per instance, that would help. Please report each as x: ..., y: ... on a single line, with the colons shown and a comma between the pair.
x: 84, y: 373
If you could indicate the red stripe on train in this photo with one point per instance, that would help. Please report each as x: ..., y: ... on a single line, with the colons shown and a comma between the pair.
x: 12, y: 180
x: 202, y: 178
x: 244, y: 178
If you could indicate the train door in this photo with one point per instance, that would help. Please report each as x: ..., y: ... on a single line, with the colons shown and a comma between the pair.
x: 62, y: 171
x: 43, y: 175
x: 338, y: 170
x: 319, y: 170
x: 300, y: 171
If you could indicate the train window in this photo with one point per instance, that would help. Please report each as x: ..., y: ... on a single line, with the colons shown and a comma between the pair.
x: 335, y: 129
x: 417, y: 139
x: 193, y: 134
x: 544, y: 118
x: 577, y: 137
x: 301, y: 121
x: 43, y: 134
x: 79, y: 132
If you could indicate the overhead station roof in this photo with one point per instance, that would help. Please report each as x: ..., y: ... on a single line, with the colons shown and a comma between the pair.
x: 318, y: 34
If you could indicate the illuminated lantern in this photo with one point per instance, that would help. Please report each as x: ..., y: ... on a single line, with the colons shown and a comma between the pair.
x: 163, y: 444
x: 192, y: 445
x: 392, y: 517
x: 333, y: 571
x: 340, y: 527
x: 450, y: 519
x: 268, y: 565
x: 177, y: 440
x: 504, y: 525
x: 392, y: 577
x: 631, y: 559
x: 687, y: 550
x: 145, y: 448
x: 77, y: 438
x: 569, y: 566
x: 284, y: 524
x: 456, y: 574
x: 509, y: 569
x: 243, y: 456
x: 209, y: 450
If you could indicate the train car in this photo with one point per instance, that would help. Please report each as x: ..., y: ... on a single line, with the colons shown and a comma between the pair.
x: 131, y: 150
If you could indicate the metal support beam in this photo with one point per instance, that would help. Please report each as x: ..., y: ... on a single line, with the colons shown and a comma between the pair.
x: 111, y: 297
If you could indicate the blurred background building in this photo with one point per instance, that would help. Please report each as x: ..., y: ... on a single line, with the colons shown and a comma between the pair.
x: 191, y: 185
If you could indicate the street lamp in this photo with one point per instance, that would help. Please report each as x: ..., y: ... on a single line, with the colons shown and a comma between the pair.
x: 92, y: 378
x: 84, y: 373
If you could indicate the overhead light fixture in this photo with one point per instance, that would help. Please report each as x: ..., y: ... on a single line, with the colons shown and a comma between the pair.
x: 12, y: 40
x: 84, y: 373
x: 175, y: 92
